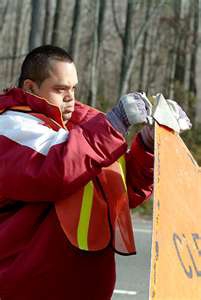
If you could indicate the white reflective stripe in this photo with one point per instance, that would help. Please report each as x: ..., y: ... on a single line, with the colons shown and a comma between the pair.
x: 27, y: 130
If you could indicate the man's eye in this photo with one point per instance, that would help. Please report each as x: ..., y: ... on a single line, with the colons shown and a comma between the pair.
x: 60, y: 90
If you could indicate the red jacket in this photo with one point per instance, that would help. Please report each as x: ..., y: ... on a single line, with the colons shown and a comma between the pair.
x: 40, y: 166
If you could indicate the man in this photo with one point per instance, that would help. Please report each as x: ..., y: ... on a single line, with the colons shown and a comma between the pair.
x: 63, y: 188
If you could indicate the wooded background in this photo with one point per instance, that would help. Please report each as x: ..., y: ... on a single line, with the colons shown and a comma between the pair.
x: 118, y: 47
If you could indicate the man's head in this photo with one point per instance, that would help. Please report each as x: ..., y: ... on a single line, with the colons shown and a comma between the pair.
x: 49, y: 72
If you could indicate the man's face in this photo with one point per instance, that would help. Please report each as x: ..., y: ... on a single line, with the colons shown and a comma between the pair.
x: 59, y: 87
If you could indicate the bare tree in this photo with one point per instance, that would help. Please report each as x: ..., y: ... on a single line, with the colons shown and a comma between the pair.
x: 175, y: 61
x: 4, y: 23
x: 50, y: 6
x: 57, y: 20
x: 75, y: 32
x: 37, y: 23
x: 198, y: 76
x: 144, y: 48
x: 100, y: 8
x: 4, y: 13
x: 131, y: 42
x: 192, y: 84
x: 193, y: 61
x: 22, y: 37
x: 127, y: 46
x: 153, y: 57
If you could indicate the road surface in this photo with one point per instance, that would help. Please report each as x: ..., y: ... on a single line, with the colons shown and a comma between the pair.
x: 133, y: 271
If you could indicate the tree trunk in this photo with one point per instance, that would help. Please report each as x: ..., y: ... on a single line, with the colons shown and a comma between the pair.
x: 130, y: 49
x: 100, y: 9
x: 49, y: 16
x: 37, y: 24
x: 127, y: 45
x: 16, y: 36
x: 55, y: 32
x: 197, y: 78
x: 153, y: 56
x: 181, y: 36
x: 193, y: 62
x: 192, y: 84
x: 75, y: 32
x: 144, y: 49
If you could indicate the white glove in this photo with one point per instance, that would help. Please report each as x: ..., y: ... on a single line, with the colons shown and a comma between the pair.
x: 180, y: 115
x: 133, y: 108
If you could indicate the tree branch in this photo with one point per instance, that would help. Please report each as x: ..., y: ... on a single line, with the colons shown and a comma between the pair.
x: 131, y: 60
x: 120, y: 34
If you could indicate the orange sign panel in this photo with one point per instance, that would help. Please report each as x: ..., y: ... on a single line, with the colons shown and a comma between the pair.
x: 176, y: 240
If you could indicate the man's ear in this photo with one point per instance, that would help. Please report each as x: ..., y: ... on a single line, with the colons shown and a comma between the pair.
x: 29, y: 86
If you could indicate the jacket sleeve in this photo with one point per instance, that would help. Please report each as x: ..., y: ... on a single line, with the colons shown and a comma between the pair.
x: 139, y: 164
x: 40, y: 164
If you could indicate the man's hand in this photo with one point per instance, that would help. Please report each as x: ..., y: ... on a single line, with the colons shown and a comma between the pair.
x: 184, y: 123
x: 133, y: 108
x: 180, y: 115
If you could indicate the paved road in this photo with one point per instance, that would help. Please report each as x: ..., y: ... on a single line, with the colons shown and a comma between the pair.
x: 133, y: 272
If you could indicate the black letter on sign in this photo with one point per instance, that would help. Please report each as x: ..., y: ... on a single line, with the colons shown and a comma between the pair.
x: 195, y: 238
x: 177, y: 239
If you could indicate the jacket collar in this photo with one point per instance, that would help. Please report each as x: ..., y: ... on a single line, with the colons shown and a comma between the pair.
x: 16, y: 98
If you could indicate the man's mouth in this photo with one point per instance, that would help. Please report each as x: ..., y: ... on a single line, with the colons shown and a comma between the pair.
x: 67, y: 115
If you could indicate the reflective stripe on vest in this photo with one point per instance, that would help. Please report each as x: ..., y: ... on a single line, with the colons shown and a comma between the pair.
x: 122, y: 166
x: 87, y: 202
x: 83, y: 226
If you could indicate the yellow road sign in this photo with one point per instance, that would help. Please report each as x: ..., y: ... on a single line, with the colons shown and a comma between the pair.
x: 176, y: 240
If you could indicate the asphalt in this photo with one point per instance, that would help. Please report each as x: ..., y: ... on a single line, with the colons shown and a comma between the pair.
x: 133, y: 272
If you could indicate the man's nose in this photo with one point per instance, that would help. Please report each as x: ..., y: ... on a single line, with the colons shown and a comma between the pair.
x: 69, y: 95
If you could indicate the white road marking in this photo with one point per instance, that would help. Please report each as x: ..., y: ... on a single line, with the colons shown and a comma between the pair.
x: 142, y: 230
x: 124, y: 292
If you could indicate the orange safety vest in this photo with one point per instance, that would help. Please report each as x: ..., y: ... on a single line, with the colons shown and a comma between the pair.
x: 98, y: 213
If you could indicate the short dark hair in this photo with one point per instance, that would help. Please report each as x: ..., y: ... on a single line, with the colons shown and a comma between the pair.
x: 36, y: 64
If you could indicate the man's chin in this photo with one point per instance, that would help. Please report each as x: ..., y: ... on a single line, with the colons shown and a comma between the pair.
x: 66, y: 117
